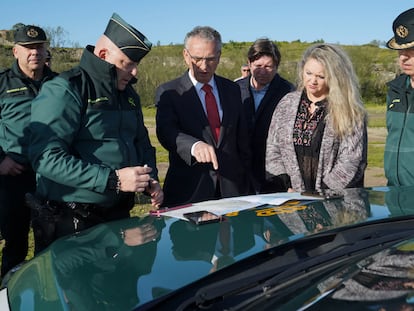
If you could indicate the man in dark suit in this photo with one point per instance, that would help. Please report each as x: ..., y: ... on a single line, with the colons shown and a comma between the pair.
x: 261, y: 91
x: 206, y: 161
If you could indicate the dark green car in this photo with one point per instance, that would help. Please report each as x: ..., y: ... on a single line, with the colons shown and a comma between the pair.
x: 354, y: 251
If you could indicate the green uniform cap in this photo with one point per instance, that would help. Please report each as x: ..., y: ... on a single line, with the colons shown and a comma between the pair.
x: 131, y: 42
x: 403, y: 27
x: 29, y: 34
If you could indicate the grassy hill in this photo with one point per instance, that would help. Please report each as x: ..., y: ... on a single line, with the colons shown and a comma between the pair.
x: 374, y: 65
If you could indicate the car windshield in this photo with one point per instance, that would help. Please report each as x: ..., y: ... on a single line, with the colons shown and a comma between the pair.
x: 275, y: 277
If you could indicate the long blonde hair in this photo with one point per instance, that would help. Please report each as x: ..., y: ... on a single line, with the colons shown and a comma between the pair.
x: 345, y: 108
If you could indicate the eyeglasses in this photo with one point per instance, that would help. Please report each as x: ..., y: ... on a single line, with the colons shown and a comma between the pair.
x: 199, y: 60
x: 246, y: 70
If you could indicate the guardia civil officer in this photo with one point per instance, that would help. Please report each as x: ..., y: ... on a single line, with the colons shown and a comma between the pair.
x: 18, y: 86
x: 89, y: 145
x: 399, y: 152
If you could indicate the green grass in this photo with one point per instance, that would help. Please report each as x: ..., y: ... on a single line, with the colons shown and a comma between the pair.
x: 376, y: 154
x: 149, y: 120
x: 376, y: 115
x: 376, y: 119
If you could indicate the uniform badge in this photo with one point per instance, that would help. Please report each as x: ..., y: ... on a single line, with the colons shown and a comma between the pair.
x: 401, y: 31
x: 32, y: 33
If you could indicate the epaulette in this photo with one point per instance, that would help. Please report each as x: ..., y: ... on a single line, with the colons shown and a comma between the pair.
x: 75, y: 78
x: 71, y: 74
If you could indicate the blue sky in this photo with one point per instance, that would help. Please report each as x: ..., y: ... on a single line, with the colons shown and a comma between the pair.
x: 352, y: 22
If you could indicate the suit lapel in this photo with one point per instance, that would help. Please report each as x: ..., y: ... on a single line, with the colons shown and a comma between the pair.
x: 269, y: 95
x: 192, y: 100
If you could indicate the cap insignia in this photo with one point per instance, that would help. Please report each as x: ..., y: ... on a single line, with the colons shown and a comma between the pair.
x: 32, y: 33
x: 401, y: 31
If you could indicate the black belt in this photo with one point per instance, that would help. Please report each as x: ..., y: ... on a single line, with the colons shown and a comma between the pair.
x: 84, y: 209
x: 83, y: 215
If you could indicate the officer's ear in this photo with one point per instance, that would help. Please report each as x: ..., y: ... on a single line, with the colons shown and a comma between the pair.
x: 103, y: 53
x: 15, y: 52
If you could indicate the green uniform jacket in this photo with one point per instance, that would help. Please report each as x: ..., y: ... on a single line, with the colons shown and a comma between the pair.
x: 16, y: 94
x: 81, y: 128
x: 399, y: 145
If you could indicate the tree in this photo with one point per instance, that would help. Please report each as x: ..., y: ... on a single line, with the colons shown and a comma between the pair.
x: 10, y: 34
x: 17, y: 26
x: 57, y: 36
x: 377, y: 43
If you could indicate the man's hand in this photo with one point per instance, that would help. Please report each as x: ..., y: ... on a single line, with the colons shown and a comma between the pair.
x: 204, y: 153
x: 137, y: 179
x: 140, y: 235
x: 134, y: 179
x: 156, y: 193
x: 9, y: 167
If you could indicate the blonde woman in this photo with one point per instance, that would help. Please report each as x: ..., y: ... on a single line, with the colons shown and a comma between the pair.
x: 318, y: 134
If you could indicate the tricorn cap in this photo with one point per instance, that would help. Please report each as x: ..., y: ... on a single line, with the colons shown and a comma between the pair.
x: 131, y: 42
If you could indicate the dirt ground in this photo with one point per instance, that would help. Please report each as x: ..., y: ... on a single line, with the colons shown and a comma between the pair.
x: 374, y: 176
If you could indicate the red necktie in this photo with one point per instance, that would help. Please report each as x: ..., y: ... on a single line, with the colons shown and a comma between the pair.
x: 212, y: 111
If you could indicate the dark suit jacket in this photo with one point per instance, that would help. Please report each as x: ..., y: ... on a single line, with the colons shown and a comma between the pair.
x: 259, y: 121
x: 181, y: 121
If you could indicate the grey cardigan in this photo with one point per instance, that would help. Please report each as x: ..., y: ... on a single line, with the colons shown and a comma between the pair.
x: 341, y: 165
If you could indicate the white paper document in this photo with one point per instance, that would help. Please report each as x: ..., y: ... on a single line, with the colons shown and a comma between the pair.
x: 228, y: 205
